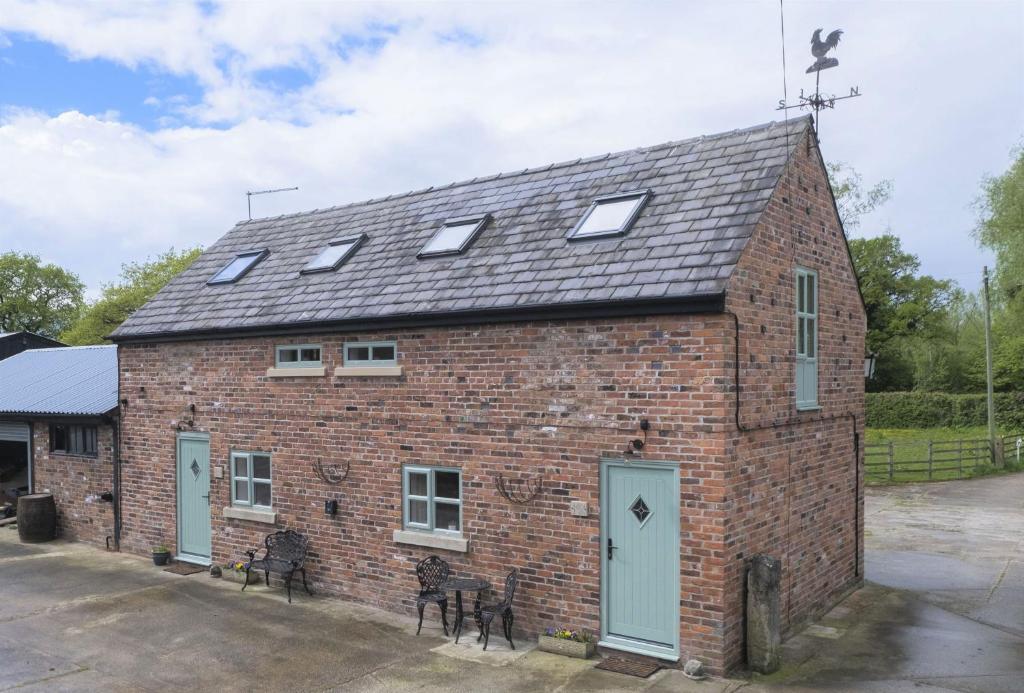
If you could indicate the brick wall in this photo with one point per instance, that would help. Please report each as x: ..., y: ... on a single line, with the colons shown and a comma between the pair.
x: 76, y: 481
x: 793, y: 485
x: 547, y: 398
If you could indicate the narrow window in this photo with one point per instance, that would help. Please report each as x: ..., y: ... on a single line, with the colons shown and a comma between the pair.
x: 236, y: 269
x: 612, y: 215
x: 73, y: 440
x: 371, y: 354
x: 298, y: 356
x: 432, y: 498
x: 250, y: 479
x: 455, y: 236
x: 806, y: 339
x: 334, y: 255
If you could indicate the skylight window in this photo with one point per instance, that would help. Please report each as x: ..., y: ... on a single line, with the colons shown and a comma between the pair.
x: 236, y: 269
x: 455, y: 236
x: 610, y: 216
x: 334, y: 255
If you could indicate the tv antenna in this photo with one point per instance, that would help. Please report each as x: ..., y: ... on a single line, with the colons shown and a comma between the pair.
x: 818, y: 101
x: 250, y: 193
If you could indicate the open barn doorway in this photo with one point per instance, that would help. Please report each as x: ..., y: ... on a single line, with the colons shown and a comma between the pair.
x: 15, y: 462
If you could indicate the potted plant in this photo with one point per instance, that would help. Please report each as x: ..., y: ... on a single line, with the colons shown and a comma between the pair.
x: 161, y: 555
x: 571, y: 643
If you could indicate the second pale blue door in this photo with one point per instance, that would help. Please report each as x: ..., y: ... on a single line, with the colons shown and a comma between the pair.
x: 640, y: 557
x: 193, y: 497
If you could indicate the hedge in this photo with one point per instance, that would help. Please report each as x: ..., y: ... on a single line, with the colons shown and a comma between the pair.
x: 937, y: 409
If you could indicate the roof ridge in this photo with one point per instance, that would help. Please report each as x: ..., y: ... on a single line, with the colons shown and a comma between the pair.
x: 72, y: 348
x: 533, y: 169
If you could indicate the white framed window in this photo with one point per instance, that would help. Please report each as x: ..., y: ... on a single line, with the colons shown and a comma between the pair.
x: 239, y: 265
x: 806, y: 338
x: 432, y: 499
x: 611, y: 215
x: 455, y: 236
x: 251, y: 479
x: 334, y: 255
x: 298, y: 356
x: 362, y: 354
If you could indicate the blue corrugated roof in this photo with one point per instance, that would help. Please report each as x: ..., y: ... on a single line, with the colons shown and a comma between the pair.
x: 60, y: 380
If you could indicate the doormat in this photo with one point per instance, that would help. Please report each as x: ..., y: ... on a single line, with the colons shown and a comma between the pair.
x: 632, y: 667
x: 185, y: 568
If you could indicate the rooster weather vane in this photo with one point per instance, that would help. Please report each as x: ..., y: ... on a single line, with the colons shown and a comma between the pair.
x: 818, y: 101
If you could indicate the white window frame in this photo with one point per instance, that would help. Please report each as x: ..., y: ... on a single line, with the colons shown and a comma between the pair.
x: 806, y: 331
x: 641, y: 195
x: 431, y: 498
x: 278, y: 363
x: 248, y: 477
x: 371, y: 362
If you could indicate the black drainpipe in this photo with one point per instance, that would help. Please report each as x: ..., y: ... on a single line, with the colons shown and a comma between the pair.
x: 798, y: 421
x: 115, y: 428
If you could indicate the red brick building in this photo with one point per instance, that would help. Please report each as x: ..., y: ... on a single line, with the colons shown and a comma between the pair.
x: 668, y: 340
x: 58, y: 432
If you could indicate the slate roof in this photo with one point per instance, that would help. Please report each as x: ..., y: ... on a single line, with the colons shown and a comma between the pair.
x: 707, y: 194
x: 69, y: 381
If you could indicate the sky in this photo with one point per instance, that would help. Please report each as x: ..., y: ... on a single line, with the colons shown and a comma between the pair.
x: 129, y: 128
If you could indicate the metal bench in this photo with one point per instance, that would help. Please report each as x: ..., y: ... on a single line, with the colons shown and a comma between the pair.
x: 285, y: 553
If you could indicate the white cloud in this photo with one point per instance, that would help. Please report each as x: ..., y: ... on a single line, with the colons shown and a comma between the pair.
x: 397, y: 104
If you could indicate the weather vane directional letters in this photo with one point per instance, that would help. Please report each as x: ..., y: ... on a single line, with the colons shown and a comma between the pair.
x: 817, y: 101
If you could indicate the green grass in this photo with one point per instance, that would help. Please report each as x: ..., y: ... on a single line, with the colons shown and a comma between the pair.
x: 950, y: 458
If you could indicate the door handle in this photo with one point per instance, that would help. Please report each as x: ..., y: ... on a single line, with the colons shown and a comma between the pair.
x: 611, y: 547
x: 207, y: 496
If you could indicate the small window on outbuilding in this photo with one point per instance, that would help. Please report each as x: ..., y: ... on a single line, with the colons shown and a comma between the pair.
x: 237, y: 268
x: 334, y: 255
x: 73, y: 440
x: 298, y: 356
x: 612, y: 215
x: 371, y: 354
x: 455, y: 236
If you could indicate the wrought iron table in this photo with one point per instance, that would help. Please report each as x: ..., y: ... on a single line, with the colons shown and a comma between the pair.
x: 458, y: 586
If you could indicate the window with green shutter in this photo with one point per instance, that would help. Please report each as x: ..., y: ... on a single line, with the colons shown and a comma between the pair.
x: 806, y: 339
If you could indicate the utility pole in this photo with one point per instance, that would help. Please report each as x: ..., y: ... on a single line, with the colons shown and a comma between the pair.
x: 988, y: 372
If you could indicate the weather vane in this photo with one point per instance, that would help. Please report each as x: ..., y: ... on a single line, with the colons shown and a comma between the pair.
x: 818, y: 101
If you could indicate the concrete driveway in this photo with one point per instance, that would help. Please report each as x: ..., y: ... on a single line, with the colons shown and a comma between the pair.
x: 75, y: 618
x: 943, y: 611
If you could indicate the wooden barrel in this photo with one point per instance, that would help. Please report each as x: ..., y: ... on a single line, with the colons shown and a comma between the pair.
x: 37, y: 517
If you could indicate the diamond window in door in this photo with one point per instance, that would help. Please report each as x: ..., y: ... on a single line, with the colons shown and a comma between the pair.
x: 196, y: 469
x: 640, y: 510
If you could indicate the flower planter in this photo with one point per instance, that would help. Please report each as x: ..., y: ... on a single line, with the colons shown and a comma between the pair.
x: 238, y: 576
x: 161, y: 557
x: 567, y: 648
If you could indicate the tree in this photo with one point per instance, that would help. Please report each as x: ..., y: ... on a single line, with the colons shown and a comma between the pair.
x: 138, y: 283
x: 35, y: 297
x: 852, y: 200
x: 902, y: 306
x: 1001, y: 228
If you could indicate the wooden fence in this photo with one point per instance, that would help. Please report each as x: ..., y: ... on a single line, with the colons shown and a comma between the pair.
x: 938, y: 460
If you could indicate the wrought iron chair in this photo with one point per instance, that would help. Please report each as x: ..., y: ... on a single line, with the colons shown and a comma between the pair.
x: 503, y: 609
x: 432, y: 572
x: 285, y: 554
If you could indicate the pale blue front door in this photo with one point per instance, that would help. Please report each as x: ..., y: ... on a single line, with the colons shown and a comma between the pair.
x: 640, y: 557
x: 193, y: 497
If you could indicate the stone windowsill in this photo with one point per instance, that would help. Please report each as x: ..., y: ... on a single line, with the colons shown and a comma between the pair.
x: 296, y: 372
x: 364, y: 371
x: 431, y: 541
x: 268, y: 517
